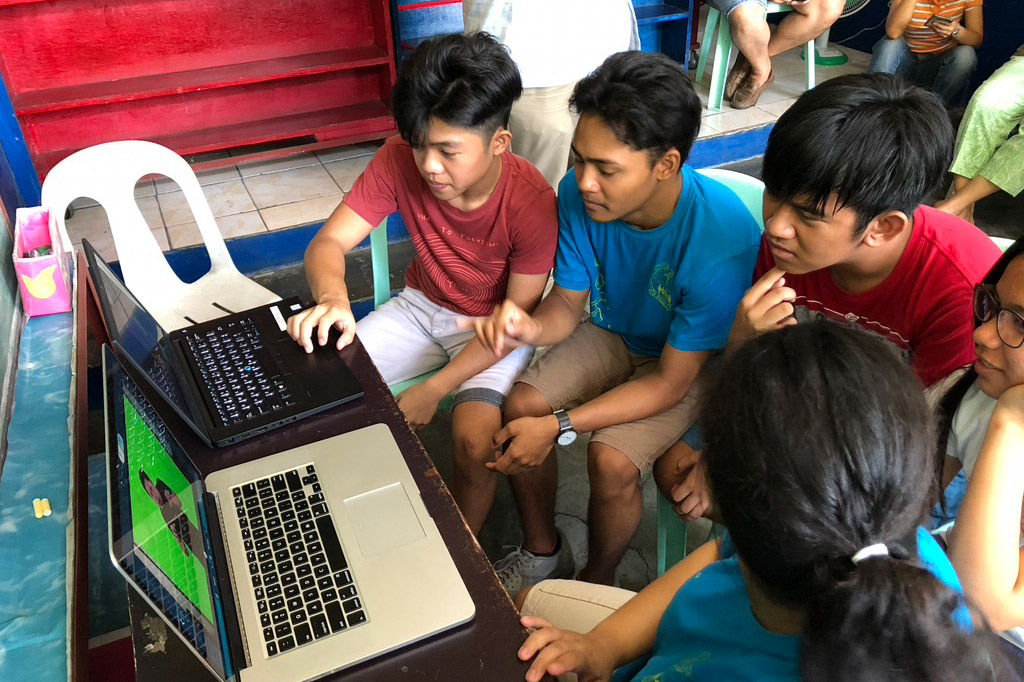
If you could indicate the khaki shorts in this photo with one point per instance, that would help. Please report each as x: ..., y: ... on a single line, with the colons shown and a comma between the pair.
x: 593, y: 361
x: 573, y: 604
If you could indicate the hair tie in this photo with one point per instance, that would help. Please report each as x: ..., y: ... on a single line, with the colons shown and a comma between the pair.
x: 870, y: 551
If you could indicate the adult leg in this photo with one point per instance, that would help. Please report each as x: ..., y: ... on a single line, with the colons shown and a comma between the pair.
x: 750, y: 34
x: 614, y: 512
x: 542, y: 127
x: 984, y: 146
x: 534, y: 490
x: 476, y: 417
x: 893, y: 57
x: 473, y: 427
x: 957, y: 67
x: 806, y: 22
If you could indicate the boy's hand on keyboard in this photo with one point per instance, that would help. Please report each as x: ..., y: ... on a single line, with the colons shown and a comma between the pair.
x: 314, y: 324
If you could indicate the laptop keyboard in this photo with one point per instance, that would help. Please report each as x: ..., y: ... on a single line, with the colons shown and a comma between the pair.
x: 240, y: 385
x: 301, y: 580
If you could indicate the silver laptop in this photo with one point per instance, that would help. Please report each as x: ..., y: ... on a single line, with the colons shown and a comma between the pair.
x: 285, y: 568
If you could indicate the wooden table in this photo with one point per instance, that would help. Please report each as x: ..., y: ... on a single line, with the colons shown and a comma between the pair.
x: 484, y: 649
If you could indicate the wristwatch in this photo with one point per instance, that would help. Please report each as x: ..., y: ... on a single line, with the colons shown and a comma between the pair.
x: 566, y: 434
x: 955, y: 33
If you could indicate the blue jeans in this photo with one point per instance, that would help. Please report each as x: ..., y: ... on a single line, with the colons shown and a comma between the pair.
x: 946, y: 73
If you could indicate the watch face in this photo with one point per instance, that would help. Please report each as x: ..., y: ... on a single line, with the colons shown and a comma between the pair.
x: 567, y: 438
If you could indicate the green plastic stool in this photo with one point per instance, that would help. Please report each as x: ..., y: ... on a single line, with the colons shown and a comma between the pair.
x: 382, y: 292
x: 723, y: 53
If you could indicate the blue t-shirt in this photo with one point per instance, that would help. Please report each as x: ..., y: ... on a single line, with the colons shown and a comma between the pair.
x: 679, y: 283
x: 708, y: 631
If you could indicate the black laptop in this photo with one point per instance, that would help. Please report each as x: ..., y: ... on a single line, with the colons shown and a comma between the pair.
x: 230, y: 378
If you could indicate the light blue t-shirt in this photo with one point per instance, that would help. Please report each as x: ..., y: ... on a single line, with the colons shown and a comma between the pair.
x: 679, y: 283
x: 708, y: 631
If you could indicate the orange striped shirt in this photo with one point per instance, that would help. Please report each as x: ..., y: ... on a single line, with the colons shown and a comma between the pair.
x: 921, y: 38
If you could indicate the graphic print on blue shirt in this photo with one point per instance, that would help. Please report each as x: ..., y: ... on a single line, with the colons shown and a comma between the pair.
x: 678, y: 284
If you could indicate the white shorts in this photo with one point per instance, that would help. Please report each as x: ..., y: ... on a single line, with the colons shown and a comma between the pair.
x: 411, y: 335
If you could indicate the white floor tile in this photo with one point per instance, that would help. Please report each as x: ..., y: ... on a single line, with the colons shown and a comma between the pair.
x: 225, y: 198
x: 238, y: 225
x: 300, y: 212
x: 739, y: 119
x: 347, y: 171
x: 777, y: 108
x: 290, y: 186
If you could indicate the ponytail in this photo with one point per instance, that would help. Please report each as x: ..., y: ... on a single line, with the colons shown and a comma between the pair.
x: 889, y: 620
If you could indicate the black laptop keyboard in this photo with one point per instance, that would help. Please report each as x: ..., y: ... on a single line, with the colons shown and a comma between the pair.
x: 301, y: 580
x: 240, y: 386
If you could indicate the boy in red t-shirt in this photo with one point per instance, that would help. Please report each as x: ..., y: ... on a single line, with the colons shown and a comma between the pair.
x: 846, y: 237
x: 484, y: 226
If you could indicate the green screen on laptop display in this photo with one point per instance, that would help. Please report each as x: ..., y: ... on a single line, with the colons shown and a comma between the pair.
x: 165, y: 518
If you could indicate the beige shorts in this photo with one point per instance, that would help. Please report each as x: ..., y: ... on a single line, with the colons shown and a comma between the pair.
x: 593, y: 361
x: 573, y: 604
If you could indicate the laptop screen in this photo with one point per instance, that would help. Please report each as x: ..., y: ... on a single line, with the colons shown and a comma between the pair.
x: 157, y: 519
x: 139, y: 336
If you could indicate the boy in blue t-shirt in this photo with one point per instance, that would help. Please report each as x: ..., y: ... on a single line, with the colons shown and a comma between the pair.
x: 663, y: 255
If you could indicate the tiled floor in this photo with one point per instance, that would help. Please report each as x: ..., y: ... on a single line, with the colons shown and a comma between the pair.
x: 304, y: 189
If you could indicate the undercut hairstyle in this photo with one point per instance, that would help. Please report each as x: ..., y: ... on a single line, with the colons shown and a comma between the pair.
x: 818, y: 443
x: 466, y: 81
x: 647, y: 101
x: 874, y: 141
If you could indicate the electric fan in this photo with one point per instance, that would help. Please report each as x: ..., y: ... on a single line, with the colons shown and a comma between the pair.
x: 826, y: 55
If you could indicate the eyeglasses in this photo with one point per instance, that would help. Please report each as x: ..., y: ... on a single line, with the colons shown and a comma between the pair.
x: 1009, y: 323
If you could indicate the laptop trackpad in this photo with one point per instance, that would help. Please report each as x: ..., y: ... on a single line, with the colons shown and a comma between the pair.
x: 383, y: 519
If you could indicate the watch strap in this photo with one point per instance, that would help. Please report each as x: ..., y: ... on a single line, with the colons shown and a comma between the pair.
x: 563, y: 420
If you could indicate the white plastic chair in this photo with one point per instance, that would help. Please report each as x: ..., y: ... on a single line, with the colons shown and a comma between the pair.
x: 108, y: 173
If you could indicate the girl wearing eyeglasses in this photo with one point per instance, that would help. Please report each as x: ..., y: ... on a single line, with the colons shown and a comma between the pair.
x: 985, y: 437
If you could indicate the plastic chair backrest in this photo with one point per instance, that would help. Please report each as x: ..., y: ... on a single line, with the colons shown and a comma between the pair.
x: 749, y: 189
x: 1002, y: 242
x: 108, y: 173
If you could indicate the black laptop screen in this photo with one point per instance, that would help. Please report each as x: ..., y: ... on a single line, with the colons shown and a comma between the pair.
x: 158, y: 525
x: 138, y: 335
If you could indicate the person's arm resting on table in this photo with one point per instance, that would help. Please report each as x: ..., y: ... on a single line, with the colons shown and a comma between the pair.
x: 622, y: 637
x: 419, y: 403
x: 984, y: 545
x: 325, y: 272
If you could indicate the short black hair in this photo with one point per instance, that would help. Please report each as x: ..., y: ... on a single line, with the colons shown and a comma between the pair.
x: 874, y: 141
x: 646, y: 99
x: 818, y: 442
x: 467, y: 81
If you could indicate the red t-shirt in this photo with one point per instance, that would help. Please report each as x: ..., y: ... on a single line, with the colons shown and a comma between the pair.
x: 463, y: 258
x: 923, y: 307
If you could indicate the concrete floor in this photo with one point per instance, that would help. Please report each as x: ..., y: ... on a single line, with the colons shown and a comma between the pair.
x: 999, y: 215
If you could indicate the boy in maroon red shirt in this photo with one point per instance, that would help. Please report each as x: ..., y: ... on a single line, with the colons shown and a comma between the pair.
x: 484, y: 226
x: 846, y: 237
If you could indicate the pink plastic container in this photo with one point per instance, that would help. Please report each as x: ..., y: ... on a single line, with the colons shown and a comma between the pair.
x: 43, y: 279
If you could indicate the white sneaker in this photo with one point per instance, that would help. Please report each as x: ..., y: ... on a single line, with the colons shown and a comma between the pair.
x: 522, y: 568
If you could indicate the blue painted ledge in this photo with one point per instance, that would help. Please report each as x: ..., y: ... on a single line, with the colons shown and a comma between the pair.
x: 35, y: 574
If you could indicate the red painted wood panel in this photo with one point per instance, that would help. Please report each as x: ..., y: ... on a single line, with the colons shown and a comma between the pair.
x: 197, y: 75
x: 68, y: 42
